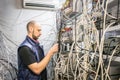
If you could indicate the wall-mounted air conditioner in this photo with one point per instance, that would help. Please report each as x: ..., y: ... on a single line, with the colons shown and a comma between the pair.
x: 40, y: 4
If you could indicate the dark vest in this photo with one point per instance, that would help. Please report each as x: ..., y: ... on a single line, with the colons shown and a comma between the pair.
x: 24, y: 73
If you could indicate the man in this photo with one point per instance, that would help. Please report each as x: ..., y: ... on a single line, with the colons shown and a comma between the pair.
x: 31, y: 60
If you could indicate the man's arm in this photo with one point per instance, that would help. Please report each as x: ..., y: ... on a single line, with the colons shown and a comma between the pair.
x: 37, y: 68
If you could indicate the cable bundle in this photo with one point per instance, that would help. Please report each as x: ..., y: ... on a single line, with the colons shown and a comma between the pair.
x: 81, y: 50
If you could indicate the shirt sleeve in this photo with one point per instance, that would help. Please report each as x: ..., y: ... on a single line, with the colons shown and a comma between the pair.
x: 26, y: 55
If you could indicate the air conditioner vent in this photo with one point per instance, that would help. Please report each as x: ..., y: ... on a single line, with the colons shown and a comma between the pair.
x: 39, y: 4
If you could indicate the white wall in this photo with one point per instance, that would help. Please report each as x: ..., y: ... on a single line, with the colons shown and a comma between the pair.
x: 13, y: 20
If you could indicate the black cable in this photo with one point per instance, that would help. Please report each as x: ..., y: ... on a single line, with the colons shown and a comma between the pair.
x: 83, y: 48
x: 107, y: 55
x: 8, y: 69
x: 118, y: 9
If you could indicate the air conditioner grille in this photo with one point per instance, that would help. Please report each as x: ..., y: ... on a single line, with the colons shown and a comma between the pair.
x: 39, y: 5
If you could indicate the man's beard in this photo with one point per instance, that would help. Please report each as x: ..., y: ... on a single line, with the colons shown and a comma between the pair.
x: 34, y: 37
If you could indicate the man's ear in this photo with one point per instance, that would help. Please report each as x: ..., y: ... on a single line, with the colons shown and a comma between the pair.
x: 31, y: 28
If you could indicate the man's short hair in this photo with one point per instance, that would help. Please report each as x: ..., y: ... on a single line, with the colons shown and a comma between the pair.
x: 31, y: 23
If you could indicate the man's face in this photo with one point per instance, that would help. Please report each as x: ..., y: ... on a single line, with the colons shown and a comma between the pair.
x: 36, y: 32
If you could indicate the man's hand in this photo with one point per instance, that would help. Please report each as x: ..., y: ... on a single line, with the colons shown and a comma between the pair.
x: 54, y: 48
